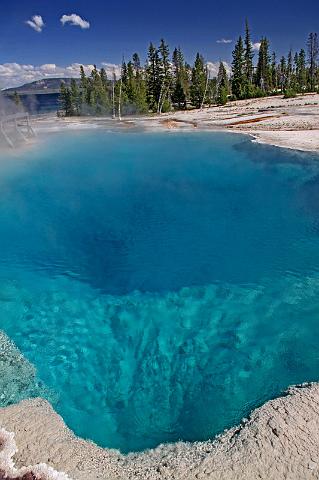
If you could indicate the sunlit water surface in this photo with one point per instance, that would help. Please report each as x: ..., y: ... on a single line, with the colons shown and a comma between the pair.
x: 162, y: 284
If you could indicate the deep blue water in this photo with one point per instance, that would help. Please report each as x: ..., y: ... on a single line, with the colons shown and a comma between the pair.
x: 162, y: 284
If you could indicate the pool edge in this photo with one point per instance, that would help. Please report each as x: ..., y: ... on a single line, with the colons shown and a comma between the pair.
x: 280, y: 438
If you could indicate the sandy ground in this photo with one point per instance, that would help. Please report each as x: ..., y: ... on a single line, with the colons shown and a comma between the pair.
x: 290, y: 123
x: 280, y: 440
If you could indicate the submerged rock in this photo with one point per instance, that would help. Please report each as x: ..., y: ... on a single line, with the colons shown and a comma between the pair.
x: 18, y: 378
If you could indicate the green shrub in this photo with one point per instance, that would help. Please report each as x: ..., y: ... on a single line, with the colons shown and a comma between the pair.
x: 259, y: 93
x: 290, y: 93
x: 222, y: 96
x: 167, y: 106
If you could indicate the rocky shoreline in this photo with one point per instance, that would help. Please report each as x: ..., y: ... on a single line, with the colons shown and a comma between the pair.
x: 279, y: 440
x: 290, y: 123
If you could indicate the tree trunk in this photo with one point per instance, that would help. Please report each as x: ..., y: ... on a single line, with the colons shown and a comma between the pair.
x: 113, y: 95
x: 205, y: 92
x: 159, y: 107
x: 120, y: 100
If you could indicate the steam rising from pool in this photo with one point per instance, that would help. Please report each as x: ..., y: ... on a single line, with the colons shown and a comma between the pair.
x: 8, y: 106
x: 162, y: 285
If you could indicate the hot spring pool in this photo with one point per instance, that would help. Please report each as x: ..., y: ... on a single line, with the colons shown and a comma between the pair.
x: 163, y: 285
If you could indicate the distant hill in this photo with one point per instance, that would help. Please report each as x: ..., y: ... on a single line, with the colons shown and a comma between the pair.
x: 46, y: 85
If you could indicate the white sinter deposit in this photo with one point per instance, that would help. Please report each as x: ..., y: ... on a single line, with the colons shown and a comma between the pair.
x: 290, y: 123
x: 8, y: 449
x: 279, y: 441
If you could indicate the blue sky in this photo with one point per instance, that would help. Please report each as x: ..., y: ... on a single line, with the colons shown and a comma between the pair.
x: 118, y: 28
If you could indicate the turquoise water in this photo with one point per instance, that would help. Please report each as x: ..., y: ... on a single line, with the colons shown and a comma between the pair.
x: 163, y: 285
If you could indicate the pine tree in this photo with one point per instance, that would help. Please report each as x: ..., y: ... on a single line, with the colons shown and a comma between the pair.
x: 301, y: 71
x: 92, y: 94
x: 120, y: 90
x: 154, y: 80
x: 274, y: 72
x: 212, y: 91
x: 140, y: 86
x: 313, y: 51
x: 249, y: 56
x: 178, y: 95
x: 65, y: 100
x: 113, y: 93
x: 180, y: 79
x: 290, y: 87
x: 263, y: 79
x: 283, y: 74
x: 239, y: 78
x: 98, y: 98
x: 136, y: 62
x: 83, y: 87
x: 130, y: 83
x: 165, y: 76
x: 124, y: 91
x: 124, y: 72
x: 141, y: 94
x: 133, y: 90
x: 103, y: 78
x: 289, y: 71
x: 75, y: 98
x: 198, y: 85
x: 296, y: 79
x: 222, y: 96
x: 222, y: 85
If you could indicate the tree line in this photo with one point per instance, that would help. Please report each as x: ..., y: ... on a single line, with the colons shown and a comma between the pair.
x: 167, y: 82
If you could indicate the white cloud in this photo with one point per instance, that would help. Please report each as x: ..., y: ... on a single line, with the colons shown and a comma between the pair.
x: 48, y: 67
x: 75, y: 20
x: 15, y: 74
x: 224, y: 40
x: 256, y: 46
x: 111, y: 68
x: 214, y: 66
x: 36, y: 23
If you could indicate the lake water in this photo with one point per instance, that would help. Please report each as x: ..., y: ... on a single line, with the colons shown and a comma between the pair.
x: 39, y: 103
x: 162, y: 284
